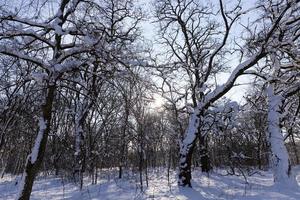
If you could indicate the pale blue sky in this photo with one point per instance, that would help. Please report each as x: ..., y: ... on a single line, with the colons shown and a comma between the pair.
x: 236, y: 93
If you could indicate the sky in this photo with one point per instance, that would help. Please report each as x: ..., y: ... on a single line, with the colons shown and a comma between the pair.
x: 149, y: 31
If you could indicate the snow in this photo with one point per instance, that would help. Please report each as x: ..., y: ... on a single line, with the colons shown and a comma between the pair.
x: 39, y: 77
x: 57, y: 27
x: 280, y: 156
x: 22, y: 55
x: 35, y: 149
x: 211, y: 97
x: 21, y: 183
x: 215, y: 186
x: 190, y: 133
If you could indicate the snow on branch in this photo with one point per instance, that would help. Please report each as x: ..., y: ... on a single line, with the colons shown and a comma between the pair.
x: 221, y: 90
x: 17, y: 54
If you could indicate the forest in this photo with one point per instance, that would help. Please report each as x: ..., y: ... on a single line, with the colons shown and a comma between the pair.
x: 149, y: 99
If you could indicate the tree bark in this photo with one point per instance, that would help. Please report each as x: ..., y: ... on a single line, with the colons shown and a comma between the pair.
x: 79, y: 165
x: 204, y: 157
x: 295, y: 148
x: 186, y: 151
x: 280, y: 157
x: 141, y: 162
x: 35, y: 159
x: 185, y: 174
x: 123, y: 148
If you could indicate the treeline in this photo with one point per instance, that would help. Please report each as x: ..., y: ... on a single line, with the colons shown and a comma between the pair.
x: 78, y: 81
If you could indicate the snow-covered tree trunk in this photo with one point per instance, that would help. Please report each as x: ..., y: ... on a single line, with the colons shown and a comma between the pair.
x: 280, y: 157
x: 186, y: 150
x: 189, y: 138
x: 35, y: 159
x: 79, y: 154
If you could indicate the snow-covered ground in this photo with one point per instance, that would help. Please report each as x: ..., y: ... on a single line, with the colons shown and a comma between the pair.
x: 216, y: 186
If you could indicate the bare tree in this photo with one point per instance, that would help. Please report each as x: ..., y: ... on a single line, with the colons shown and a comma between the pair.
x: 281, y: 75
x: 52, y: 44
x: 198, y: 49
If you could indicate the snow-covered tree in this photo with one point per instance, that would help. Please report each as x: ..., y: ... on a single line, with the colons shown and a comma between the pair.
x: 57, y: 43
x: 198, y: 49
x: 280, y: 71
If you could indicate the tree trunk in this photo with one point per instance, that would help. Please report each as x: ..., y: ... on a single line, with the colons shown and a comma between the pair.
x: 123, y: 148
x: 141, y: 161
x: 79, y: 154
x: 295, y: 148
x: 280, y: 158
x: 120, y: 171
x: 186, y: 151
x: 258, y: 152
x: 204, y: 157
x: 169, y: 165
x: 35, y: 159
